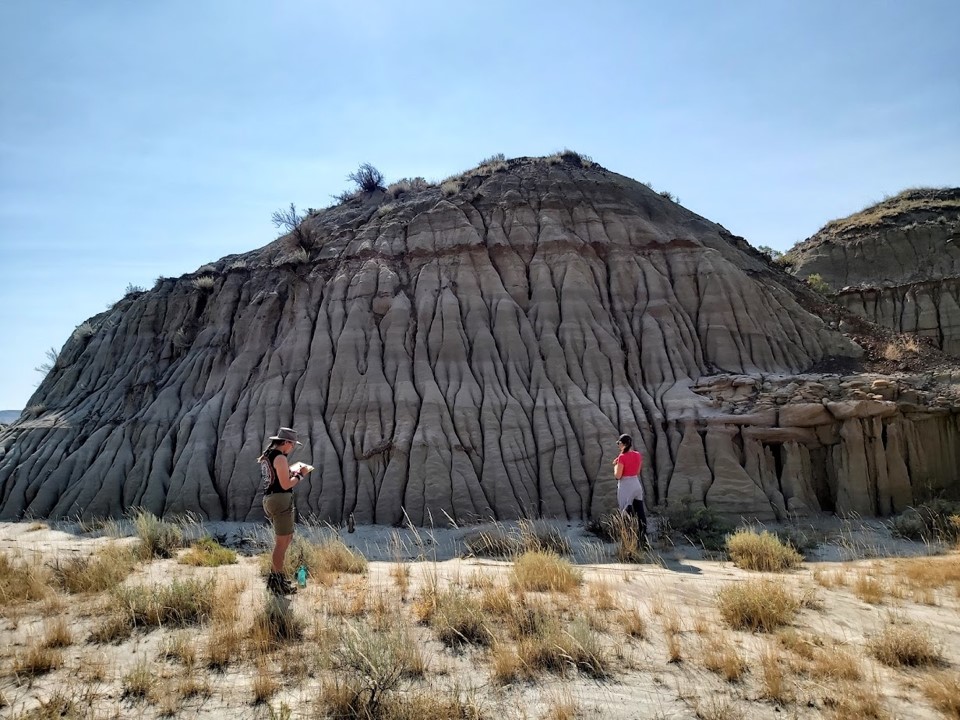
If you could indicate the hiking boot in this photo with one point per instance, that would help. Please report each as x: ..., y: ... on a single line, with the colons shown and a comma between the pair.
x: 278, y: 584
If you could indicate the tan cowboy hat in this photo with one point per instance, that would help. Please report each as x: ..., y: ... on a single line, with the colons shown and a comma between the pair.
x: 288, y: 434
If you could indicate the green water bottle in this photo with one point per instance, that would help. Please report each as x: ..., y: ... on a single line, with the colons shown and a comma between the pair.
x: 302, y: 576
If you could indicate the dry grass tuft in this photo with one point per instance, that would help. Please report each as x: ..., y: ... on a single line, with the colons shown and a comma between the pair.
x: 451, y: 187
x: 721, y: 655
x: 275, y: 624
x: 602, y: 596
x: 836, y: 664
x: 499, y: 601
x: 207, y: 552
x: 400, y: 572
x: 775, y: 684
x: 37, y: 659
x: 930, y: 573
x: 180, y: 647
x: 265, y: 686
x: 532, y: 619
x: 56, y: 633
x: 21, y: 583
x: 58, y: 707
x: 763, y: 551
x: 224, y: 645
x: 322, y: 560
x: 632, y: 623
x: 528, y: 536
x: 557, y: 650
x: 942, y: 689
x: 561, y: 706
x: 845, y: 701
x: 98, y: 573
x: 192, y: 685
x: 438, y: 704
x: 904, y: 645
x: 540, y: 571
x: 181, y: 603
x: 762, y: 605
x: 717, y: 707
x: 353, y: 698
x: 140, y: 681
x: 458, y: 619
x: 506, y: 666
x: 830, y: 578
x: 870, y: 588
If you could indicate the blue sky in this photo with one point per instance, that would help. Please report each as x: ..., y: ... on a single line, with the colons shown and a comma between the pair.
x: 140, y: 139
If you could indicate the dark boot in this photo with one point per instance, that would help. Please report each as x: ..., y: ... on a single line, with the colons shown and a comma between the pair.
x: 278, y: 584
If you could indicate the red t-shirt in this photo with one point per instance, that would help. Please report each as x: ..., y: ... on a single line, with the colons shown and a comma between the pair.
x: 631, y: 461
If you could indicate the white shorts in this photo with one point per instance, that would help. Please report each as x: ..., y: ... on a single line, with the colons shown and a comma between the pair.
x: 628, y: 490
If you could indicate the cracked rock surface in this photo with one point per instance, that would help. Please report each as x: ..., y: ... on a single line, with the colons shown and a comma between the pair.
x: 473, y: 350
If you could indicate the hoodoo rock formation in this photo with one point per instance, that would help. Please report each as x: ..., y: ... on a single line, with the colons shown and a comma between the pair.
x: 896, y: 263
x: 473, y: 349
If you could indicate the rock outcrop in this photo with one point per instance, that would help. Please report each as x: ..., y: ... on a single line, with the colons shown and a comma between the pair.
x: 896, y: 263
x: 473, y: 350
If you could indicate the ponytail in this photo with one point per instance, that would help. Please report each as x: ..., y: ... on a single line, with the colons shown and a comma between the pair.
x: 268, y: 448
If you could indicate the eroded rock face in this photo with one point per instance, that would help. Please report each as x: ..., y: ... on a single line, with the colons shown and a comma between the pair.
x: 896, y: 263
x: 847, y: 444
x: 471, y: 351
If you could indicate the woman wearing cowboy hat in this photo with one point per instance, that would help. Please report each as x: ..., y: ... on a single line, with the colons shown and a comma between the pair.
x: 278, y: 484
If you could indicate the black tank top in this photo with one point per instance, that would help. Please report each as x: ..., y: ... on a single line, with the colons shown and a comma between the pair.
x: 268, y: 473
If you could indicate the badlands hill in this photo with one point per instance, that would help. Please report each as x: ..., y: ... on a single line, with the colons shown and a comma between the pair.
x: 473, y: 349
x: 896, y: 263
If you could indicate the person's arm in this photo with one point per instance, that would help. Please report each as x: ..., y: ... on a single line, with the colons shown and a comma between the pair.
x: 286, y: 479
x: 618, y: 468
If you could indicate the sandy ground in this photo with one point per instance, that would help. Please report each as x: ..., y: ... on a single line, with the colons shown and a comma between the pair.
x: 676, y: 589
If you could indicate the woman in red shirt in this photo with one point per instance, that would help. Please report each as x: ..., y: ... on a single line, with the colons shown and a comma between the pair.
x: 626, y: 468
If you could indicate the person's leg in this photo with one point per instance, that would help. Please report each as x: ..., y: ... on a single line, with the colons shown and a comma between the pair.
x: 638, y: 510
x: 279, y: 508
x: 280, y: 551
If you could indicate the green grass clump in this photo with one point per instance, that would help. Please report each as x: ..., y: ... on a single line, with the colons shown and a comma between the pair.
x: 699, y: 526
x: 158, y: 538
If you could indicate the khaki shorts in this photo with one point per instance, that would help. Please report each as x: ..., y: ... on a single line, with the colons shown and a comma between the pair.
x: 280, y: 511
